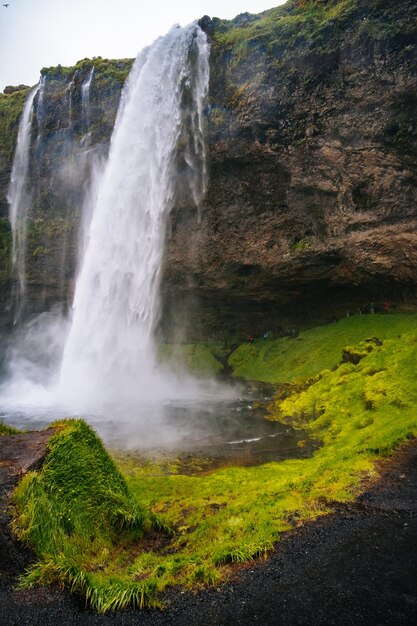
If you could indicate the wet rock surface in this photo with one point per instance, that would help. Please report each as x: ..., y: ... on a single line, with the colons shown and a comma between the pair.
x: 355, y: 566
x: 18, y: 455
x: 311, y: 204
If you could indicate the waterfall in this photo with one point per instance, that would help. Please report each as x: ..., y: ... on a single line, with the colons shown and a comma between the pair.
x: 19, y: 195
x: 40, y: 107
x: 109, y: 354
x: 85, y: 98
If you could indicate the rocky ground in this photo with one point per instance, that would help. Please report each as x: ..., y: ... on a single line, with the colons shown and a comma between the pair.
x: 356, y: 566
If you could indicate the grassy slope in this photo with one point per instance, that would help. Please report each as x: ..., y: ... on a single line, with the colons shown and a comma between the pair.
x: 196, y: 358
x: 359, y: 412
x: 283, y: 360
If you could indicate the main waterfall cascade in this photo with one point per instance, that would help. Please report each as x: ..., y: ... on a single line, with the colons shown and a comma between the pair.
x: 101, y: 363
x: 109, y: 355
x: 108, y: 359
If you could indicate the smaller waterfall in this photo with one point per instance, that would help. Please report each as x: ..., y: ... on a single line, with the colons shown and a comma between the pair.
x: 195, y: 153
x: 85, y: 98
x: 40, y: 107
x: 70, y: 93
x: 19, y: 195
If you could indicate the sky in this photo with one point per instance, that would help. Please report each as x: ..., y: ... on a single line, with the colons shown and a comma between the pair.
x: 43, y: 33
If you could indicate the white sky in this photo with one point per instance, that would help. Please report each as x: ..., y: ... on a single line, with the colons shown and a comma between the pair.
x: 39, y: 33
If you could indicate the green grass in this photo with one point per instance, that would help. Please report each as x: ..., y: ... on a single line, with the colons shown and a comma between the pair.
x: 108, y: 73
x: 8, y: 430
x: 283, y: 360
x: 280, y: 30
x: 302, y: 26
x: 198, y: 358
x: 11, y: 107
x: 80, y: 518
x: 83, y: 520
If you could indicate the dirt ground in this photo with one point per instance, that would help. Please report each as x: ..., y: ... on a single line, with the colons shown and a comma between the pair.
x: 355, y: 566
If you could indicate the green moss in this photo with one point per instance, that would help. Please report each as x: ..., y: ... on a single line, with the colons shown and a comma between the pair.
x: 283, y: 360
x: 72, y: 510
x: 111, y: 72
x: 8, y: 430
x: 364, y: 407
x: 304, y: 25
x: 107, y: 72
x: 299, y: 245
x: 236, y: 514
x: 11, y: 107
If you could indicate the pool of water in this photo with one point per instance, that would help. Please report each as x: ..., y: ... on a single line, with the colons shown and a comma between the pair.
x: 232, y: 429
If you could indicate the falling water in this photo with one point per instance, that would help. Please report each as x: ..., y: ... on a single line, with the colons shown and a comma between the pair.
x: 109, y: 355
x: 40, y: 107
x: 19, y: 196
x: 85, y: 98
x: 69, y: 96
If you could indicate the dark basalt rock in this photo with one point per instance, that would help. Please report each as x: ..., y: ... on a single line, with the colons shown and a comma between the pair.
x: 206, y: 24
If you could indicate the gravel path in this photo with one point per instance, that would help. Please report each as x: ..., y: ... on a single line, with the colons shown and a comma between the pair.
x: 356, y: 566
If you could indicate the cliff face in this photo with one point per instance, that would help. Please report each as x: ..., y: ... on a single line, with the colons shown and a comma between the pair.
x: 72, y: 121
x: 312, y: 202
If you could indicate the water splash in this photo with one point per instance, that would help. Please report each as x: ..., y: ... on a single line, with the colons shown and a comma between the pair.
x: 109, y: 356
x: 19, y: 196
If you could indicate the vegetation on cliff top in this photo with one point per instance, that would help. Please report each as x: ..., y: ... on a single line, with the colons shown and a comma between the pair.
x: 72, y: 509
x: 107, y: 72
x: 11, y: 106
x: 308, y: 25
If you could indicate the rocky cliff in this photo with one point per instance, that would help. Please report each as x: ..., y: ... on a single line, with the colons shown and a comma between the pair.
x: 312, y: 146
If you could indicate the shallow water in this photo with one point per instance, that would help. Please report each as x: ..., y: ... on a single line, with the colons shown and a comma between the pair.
x: 227, y: 431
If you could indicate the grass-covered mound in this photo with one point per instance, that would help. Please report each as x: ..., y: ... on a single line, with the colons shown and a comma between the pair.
x: 365, y: 406
x: 80, y: 518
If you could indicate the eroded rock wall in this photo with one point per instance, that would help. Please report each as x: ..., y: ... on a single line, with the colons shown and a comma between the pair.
x: 311, y: 209
x: 312, y: 206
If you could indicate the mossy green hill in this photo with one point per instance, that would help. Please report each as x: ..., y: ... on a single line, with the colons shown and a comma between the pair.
x: 283, y: 360
x: 88, y: 521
